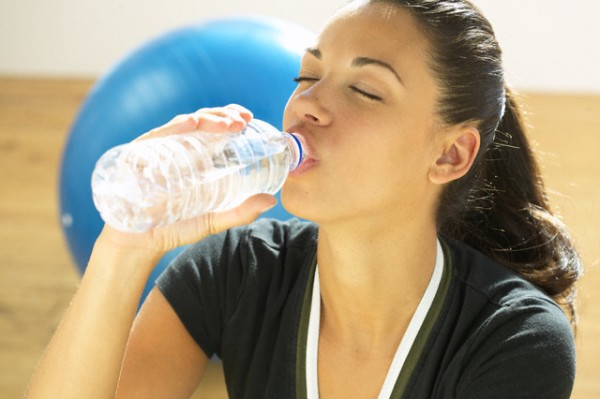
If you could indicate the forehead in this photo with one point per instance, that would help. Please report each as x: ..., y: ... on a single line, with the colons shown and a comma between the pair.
x: 382, y: 28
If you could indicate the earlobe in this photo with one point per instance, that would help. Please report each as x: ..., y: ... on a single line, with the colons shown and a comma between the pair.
x: 457, y: 156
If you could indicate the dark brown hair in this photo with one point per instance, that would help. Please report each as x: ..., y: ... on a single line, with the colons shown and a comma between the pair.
x: 500, y: 207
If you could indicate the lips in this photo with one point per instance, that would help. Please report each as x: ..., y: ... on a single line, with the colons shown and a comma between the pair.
x: 310, y: 158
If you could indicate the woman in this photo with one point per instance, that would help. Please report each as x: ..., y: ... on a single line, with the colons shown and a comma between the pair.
x: 434, y: 267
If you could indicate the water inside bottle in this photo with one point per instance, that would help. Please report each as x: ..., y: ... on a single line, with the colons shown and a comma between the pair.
x: 159, y: 182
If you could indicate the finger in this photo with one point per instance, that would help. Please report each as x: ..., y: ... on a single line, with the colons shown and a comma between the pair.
x: 209, y: 120
x: 185, y: 123
x: 244, y: 112
x: 192, y: 230
x: 234, y: 118
x: 178, y: 125
x: 231, y: 110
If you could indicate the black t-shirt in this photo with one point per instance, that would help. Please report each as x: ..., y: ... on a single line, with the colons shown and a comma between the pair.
x: 242, y: 296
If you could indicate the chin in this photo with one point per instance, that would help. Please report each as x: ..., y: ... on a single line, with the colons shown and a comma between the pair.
x: 298, y: 202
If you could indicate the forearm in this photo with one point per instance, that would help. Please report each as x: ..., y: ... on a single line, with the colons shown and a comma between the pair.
x: 84, y: 357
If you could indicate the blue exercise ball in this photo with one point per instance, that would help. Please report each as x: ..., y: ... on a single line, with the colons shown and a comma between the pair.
x: 247, y: 61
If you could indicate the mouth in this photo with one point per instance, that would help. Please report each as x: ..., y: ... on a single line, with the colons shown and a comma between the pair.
x: 309, y: 158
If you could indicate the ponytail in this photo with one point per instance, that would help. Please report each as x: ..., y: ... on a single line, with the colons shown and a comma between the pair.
x: 500, y: 206
x: 507, y: 216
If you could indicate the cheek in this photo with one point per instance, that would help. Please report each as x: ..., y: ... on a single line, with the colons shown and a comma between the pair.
x: 399, y: 161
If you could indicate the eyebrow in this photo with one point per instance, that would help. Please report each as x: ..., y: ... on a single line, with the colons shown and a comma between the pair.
x: 360, y: 61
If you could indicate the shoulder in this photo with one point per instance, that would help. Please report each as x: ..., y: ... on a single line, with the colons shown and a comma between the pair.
x: 278, y: 234
x: 270, y: 232
x: 224, y: 283
x: 496, y: 284
x: 264, y: 235
x: 517, y: 340
x: 246, y: 254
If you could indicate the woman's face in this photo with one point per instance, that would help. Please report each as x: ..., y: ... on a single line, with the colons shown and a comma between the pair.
x: 365, y: 105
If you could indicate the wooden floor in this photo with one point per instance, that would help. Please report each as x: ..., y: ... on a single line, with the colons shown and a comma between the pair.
x: 38, y: 278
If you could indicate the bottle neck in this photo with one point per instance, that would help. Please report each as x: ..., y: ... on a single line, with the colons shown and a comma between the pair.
x: 297, y: 153
x: 293, y: 141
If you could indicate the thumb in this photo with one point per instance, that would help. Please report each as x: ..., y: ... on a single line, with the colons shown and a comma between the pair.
x: 191, y: 230
x: 245, y: 213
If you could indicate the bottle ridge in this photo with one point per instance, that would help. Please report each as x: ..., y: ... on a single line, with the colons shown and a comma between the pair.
x: 158, y: 181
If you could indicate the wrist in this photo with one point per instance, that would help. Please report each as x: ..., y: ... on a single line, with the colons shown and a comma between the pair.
x: 126, y: 250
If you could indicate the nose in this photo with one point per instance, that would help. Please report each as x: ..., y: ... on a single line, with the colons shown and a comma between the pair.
x: 309, y: 107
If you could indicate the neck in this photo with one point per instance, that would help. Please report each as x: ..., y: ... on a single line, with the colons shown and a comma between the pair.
x: 372, y: 277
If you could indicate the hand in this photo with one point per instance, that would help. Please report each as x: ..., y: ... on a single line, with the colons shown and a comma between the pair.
x: 232, y: 118
x: 155, y: 242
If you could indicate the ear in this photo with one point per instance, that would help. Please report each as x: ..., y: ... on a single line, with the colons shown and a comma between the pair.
x: 457, y: 151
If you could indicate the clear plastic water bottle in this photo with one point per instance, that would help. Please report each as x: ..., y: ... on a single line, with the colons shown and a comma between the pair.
x: 158, y: 181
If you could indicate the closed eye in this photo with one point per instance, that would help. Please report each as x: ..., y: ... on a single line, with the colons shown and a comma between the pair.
x: 373, y: 97
x: 366, y: 94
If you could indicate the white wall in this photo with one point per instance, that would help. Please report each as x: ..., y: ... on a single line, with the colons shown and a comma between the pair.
x: 549, y: 45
